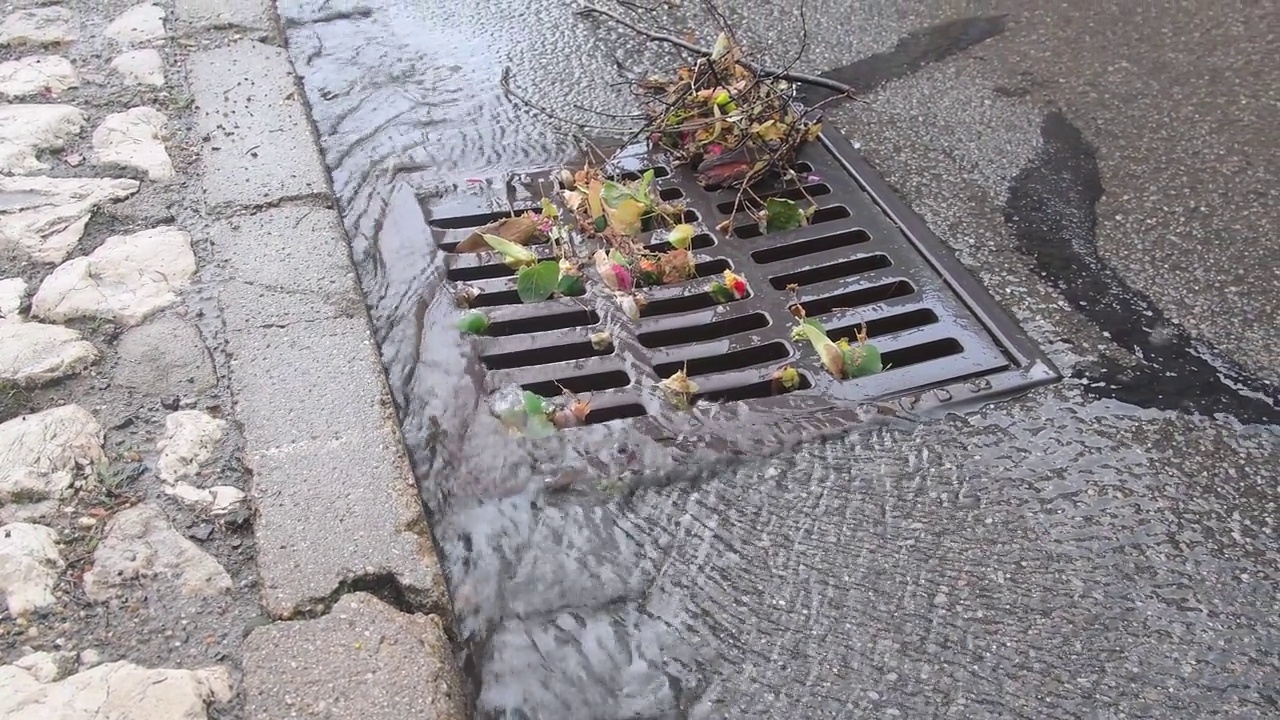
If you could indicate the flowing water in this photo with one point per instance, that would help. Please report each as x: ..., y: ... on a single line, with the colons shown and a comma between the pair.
x: 1058, y: 556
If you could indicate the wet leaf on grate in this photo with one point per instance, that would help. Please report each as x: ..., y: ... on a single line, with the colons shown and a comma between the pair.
x: 474, y: 323
x: 513, y: 255
x: 675, y: 266
x: 570, y: 286
x: 731, y: 287
x: 538, y: 421
x: 613, y: 271
x: 781, y: 214
x: 601, y: 341
x: 537, y: 282
x: 679, y: 389
x: 861, y: 360
x: 681, y: 236
x: 829, y: 353
x: 785, y: 379
x: 519, y: 230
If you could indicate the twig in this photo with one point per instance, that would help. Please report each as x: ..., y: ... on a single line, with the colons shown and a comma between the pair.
x: 505, y: 82
x: 838, y: 87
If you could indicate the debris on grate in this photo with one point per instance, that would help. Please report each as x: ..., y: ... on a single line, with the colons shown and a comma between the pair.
x: 736, y: 279
x: 862, y: 266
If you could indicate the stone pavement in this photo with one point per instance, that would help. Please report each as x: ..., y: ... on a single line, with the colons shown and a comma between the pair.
x: 205, y: 504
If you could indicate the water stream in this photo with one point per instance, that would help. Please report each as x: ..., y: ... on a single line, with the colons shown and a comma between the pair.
x: 1058, y: 556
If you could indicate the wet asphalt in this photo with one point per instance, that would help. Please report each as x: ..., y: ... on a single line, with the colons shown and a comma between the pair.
x: 1103, y: 548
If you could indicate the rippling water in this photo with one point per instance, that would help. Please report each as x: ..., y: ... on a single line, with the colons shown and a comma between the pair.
x: 1048, y: 558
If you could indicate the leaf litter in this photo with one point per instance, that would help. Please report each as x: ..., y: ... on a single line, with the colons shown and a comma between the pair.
x: 736, y: 125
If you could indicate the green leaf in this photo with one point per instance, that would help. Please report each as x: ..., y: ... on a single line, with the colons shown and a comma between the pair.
x: 614, y: 194
x: 862, y: 360
x: 722, y: 47
x: 534, y: 404
x: 799, y: 332
x: 601, y: 222
x: 474, y: 323
x: 537, y: 282
x: 539, y: 427
x: 619, y: 258
x: 509, y: 250
x: 549, y: 210
x: 720, y: 293
x: 783, y: 214
x: 570, y: 286
x: 681, y: 236
x: 831, y: 355
x: 646, y: 180
x: 537, y: 424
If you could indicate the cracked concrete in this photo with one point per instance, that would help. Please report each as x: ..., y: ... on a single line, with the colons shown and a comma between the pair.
x: 337, y: 509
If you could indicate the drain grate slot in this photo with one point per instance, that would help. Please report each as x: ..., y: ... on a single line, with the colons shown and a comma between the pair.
x: 707, y: 268
x: 471, y: 222
x: 542, y: 323
x: 579, y: 383
x: 649, y: 223
x: 829, y: 213
x: 858, y: 298
x: 881, y: 326
x: 834, y: 271
x: 688, y: 302
x: 659, y: 172
x: 757, y: 201
x: 701, y: 241
x: 708, y: 331
x: 542, y: 356
x: 751, y: 391
x: 915, y: 354
x: 735, y: 360
x: 778, y: 253
x: 478, y: 272
x: 494, y: 299
x: 616, y: 412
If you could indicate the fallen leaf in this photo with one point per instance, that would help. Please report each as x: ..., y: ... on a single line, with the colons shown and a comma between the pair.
x: 681, y: 236
x: 601, y: 341
x: 537, y: 282
x: 626, y: 217
x: 519, y: 229
x: 595, y: 203
x: 474, y: 323
x: 782, y: 214
x: 513, y: 255
x: 679, y: 389
x: 785, y: 379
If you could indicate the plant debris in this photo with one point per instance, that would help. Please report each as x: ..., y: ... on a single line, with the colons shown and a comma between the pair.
x: 736, y: 124
x: 731, y: 287
x: 679, y: 389
x: 474, y: 323
x: 526, y: 229
x: 733, y: 126
x: 840, y: 358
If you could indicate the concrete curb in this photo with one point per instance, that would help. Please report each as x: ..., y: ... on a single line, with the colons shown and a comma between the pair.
x: 337, y: 504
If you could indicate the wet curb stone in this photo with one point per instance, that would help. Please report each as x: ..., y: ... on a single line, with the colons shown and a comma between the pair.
x: 402, y: 660
x: 337, y: 507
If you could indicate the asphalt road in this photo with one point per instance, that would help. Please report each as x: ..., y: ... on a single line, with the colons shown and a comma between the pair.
x: 1103, y: 548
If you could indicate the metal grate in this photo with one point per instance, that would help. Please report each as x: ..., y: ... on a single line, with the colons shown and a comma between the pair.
x: 863, y: 259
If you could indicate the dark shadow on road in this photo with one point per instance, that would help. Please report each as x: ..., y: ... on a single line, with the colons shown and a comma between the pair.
x: 1052, y: 211
x: 913, y: 52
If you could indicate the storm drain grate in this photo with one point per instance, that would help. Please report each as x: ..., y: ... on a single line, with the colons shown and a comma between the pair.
x: 864, y: 260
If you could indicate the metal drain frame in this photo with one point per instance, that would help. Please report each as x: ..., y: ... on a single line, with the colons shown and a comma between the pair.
x: 1002, y: 360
